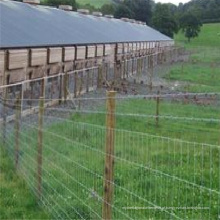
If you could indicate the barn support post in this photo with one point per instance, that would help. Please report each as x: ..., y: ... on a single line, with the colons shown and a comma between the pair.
x: 124, y: 69
x: 109, y: 157
x: 75, y: 83
x: 65, y: 88
x: 22, y: 94
x: 40, y: 147
x: 81, y: 82
x: 157, y: 108
x: 151, y: 72
x: 132, y: 65
x: 115, y: 70
x: 61, y: 88
x: 107, y: 71
x: 119, y: 70
x: 43, y: 87
x: 18, y: 107
x: 127, y: 67
x: 142, y: 64
x: 99, y: 83
x: 87, y: 79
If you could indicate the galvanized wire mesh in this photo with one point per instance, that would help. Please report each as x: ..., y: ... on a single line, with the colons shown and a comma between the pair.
x: 165, y: 169
x: 166, y: 143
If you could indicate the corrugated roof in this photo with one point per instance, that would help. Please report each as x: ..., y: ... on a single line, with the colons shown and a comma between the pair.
x: 24, y: 25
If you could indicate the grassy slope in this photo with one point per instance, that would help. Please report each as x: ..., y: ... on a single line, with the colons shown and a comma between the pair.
x: 95, y: 3
x: 16, y: 201
x: 202, y: 71
x: 208, y: 37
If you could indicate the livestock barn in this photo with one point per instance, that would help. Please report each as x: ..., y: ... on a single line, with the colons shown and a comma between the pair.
x: 57, y: 52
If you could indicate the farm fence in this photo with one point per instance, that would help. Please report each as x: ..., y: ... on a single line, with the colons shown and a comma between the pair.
x: 151, y: 156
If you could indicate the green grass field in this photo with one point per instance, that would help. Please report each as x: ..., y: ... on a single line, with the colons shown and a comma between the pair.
x: 208, y: 37
x: 95, y: 3
x: 202, y: 71
x: 16, y: 201
x: 74, y: 162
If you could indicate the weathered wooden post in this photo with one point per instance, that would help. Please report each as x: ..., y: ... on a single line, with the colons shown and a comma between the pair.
x: 157, y: 108
x: 151, y: 72
x: 124, y: 69
x: 75, y: 83
x: 138, y: 69
x: 17, y: 129
x: 132, y: 65
x: 40, y: 147
x: 61, y: 89
x: 65, y: 87
x: 4, y: 123
x: 99, y: 83
x: 87, y: 76
x: 109, y: 158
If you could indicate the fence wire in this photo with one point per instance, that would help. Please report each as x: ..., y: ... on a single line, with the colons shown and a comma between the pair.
x: 166, y: 155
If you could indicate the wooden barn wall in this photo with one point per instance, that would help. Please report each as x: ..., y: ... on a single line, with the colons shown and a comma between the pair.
x: 17, y: 65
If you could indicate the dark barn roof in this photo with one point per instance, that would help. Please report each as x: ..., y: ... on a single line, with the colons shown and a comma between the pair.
x: 24, y: 25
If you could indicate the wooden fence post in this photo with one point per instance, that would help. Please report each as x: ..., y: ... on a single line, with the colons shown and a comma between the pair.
x: 17, y: 129
x: 40, y: 146
x: 157, y: 107
x: 4, y: 124
x: 109, y: 158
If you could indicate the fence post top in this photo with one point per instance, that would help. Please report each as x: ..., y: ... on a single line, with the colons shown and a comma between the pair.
x: 111, y: 93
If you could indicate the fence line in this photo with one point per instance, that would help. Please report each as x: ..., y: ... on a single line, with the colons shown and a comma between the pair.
x: 153, y: 165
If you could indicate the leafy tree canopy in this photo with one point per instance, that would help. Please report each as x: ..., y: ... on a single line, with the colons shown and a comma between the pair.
x: 190, y: 25
x: 123, y: 11
x: 164, y: 21
x: 108, y: 9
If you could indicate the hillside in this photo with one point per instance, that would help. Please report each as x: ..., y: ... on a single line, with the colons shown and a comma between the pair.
x: 209, y: 36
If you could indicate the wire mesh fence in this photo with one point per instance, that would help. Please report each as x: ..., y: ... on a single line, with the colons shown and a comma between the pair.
x: 137, y: 157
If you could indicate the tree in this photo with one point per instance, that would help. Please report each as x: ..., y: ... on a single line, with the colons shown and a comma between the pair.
x: 164, y: 21
x: 190, y: 25
x: 108, y: 9
x: 89, y: 7
x: 142, y: 9
x: 61, y: 2
x: 123, y: 11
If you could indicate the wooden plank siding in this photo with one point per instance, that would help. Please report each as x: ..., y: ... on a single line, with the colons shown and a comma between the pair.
x: 17, y: 59
x: 80, y: 52
x: 2, y: 63
x: 38, y: 57
x: 69, y: 54
x: 55, y: 55
x: 107, y: 49
x: 99, y: 50
x: 91, y: 51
